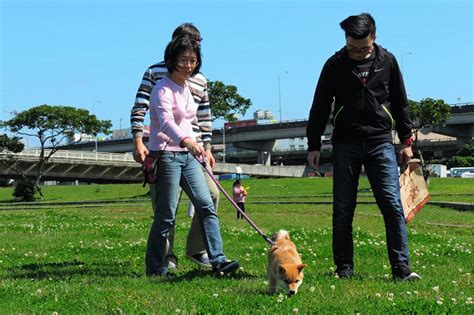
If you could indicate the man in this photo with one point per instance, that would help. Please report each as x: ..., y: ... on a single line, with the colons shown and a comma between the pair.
x: 195, y: 249
x: 364, y: 82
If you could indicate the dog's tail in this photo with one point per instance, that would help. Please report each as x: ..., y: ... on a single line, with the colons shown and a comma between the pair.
x: 281, y: 235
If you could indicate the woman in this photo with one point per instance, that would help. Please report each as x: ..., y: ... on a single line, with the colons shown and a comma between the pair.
x: 172, y: 111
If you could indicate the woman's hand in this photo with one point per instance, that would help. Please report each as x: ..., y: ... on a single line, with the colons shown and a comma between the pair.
x: 193, y: 148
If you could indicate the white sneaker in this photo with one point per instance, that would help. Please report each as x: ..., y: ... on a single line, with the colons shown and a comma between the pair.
x: 172, y: 266
x: 412, y: 277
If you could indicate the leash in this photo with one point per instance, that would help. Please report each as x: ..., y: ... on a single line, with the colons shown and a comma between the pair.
x: 203, y: 164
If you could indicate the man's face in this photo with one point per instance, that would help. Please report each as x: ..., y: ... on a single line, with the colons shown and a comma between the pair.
x: 360, y: 49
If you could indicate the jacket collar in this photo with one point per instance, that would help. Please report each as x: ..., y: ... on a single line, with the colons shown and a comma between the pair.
x: 380, y: 54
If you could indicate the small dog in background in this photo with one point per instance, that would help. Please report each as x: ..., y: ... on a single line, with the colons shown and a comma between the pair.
x: 285, y: 269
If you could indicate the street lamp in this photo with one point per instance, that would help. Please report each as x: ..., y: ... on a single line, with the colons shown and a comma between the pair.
x: 223, y: 144
x: 279, y: 90
x: 96, y: 148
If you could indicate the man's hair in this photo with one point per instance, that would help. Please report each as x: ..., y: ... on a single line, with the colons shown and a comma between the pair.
x: 359, y: 26
x: 177, y: 47
x: 187, y: 29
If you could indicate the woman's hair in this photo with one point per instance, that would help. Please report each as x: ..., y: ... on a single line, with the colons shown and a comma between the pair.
x: 237, y: 182
x: 177, y: 47
x: 187, y: 29
x: 359, y: 26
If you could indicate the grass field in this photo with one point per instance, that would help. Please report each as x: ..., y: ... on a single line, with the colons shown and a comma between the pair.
x: 91, y: 260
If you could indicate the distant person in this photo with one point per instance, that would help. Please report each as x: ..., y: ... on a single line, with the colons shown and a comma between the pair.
x: 173, y: 141
x: 239, y: 194
x: 202, y: 128
x: 364, y: 82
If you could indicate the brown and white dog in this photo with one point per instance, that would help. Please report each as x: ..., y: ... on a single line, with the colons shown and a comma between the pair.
x: 285, y: 269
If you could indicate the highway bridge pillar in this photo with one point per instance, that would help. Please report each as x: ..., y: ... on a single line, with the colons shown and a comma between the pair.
x: 263, y: 148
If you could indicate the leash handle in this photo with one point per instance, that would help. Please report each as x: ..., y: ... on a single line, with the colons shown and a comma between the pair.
x: 203, y: 164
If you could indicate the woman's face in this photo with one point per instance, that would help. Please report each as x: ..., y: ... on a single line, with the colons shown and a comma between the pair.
x: 186, y: 63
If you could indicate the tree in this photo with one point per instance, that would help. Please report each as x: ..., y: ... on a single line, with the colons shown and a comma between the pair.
x: 8, y: 144
x: 226, y: 102
x: 51, y: 125
x: 464, y: 157
x: 428, y: 113
x: 467, y: 149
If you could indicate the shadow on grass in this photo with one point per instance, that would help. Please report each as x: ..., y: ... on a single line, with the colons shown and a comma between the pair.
x: 68, y: 269
x: 199, y: 274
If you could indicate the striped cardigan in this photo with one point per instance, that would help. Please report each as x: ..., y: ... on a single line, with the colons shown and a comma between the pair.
x: 198, y: 86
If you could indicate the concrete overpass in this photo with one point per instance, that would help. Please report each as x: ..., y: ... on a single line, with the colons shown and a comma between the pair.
x: 261, y: 138
x: 86, y: 166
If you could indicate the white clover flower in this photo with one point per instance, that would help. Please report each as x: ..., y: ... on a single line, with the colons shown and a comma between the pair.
x: 436, y: 288
x: 439, y: 302
x: 453, y: 300
x: 178, y: 310
x: 312, y: 289
x: 378, y: 295
x: 215, y: 295
x: 333, y: 287
x: 408, y: 292
x: 295, y: 310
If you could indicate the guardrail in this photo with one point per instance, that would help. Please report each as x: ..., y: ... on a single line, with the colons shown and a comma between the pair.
x: 83, y: 155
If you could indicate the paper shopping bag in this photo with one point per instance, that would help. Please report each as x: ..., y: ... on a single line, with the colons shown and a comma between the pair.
x: 413, y: 190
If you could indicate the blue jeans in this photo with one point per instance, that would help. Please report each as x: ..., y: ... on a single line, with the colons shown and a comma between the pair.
x: 180, y: 169
x: 380, y: 164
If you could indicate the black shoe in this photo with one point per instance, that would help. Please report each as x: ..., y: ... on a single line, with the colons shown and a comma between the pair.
x: 201, y: 259
x: 225, y: 267
x: 403, y: 273
x: 344, y: 271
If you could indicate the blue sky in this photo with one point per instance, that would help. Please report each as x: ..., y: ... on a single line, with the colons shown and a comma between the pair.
x: 92, y: 54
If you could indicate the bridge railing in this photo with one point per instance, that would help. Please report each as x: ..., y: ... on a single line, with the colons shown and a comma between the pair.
x: 83, y: 155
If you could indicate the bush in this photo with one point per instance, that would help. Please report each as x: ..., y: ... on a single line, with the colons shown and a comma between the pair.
x: 25, y: 190
x: 461, y: 161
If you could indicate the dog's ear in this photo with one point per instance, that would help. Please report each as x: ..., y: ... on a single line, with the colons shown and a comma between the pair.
x: 273, y: 248
x: 300, y: 267
x: 281, y: 269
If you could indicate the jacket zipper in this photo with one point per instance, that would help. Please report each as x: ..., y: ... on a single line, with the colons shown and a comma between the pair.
x: 337, y: 113
x: 389, y: 115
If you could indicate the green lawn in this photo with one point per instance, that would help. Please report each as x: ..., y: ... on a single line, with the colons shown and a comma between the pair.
x: 91, y: 260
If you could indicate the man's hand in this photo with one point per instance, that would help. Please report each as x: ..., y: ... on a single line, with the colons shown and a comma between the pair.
x: 210, y: 158
x: 406, y: 154
x: 313, y: 163
x: 313, y: 159
x: 140, y: 151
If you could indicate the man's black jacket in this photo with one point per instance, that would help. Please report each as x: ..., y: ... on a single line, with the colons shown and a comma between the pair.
x: 362, y: 113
